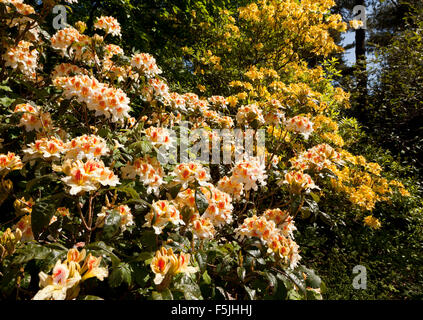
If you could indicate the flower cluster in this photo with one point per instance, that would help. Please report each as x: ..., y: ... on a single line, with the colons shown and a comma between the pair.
x: 202, y: 227
x: 126, y: 217
x: 48, y: 149
x: 72, y: 44
x: 65, y: 278
x: 249, y: 113
x: 282, y: 220
x: 9, y: 162
x: 86, y: 176
x: 220, y: 207
x: 185, y: 173
x: 372, y: 222
x: 33, y: 118
x: 318, y: 157
x: 231, y: 187
x: 166, y: 264
x: 86, y: 147
x: 161, y: 214
x: 160, y: 137
x: 146, y: 64
x: 250, y: 172
x: 300, y: 125
x: 24, y: 225
x: 149, y: 170
x: 22, y: 57
x: 299, y: 181
x: 67, y: 69
x: 99, y: 97
x: 109, y: 24
x: 267, y: 231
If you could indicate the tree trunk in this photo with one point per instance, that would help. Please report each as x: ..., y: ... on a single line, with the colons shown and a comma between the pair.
x: 361, y: 69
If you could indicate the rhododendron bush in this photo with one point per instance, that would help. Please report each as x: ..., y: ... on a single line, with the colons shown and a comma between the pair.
x: 90, y: 210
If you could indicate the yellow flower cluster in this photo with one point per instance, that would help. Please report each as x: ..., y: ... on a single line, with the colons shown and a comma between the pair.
x: 166, y: 264
x: 64, y: 281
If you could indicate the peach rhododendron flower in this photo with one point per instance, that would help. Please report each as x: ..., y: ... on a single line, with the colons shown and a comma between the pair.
x: 91, y: 268
x: 159, y: 137
x: 23, y: 206
x: 86, y: 147
x: 67, y: 69
x: 104, y: 100
x: 318, y: 157
x: 146, y: 64
x: 86, y: 176
x: 220, y: 207
x: 65, y: 278
x: 55, y: 286
x: 162, y: 213
x: 33, y: 118
x: 250, y: 172
x: 25, y: 226
x: 150, y: 173
x: 300, y: 125
x: 185, y: 173
x: 166, y: 264
x: 109, y: 24
x: 73, y: 44
x: 22, y: 57
x: 126, y: 217
x: 267, y: 231
x: 282, y: 220
x: 201, y: 227
x: 48, y: 149
x: 9, y: 162
x: 248, y: 114
x: 231, y: 187
x: 299, y: 181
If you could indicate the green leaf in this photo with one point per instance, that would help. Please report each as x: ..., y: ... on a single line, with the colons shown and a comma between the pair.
x: 241, y: 273
x: 312, y: 279
x: 30, y: 252
x: 6, y: 102
x: 175, y: 190
x: 111, y: 225
x: 120, y: 274
x: 42, y: 212
x: 90, y: 298
x: 201, y: 202
x: 166, y: 294
x: 5, y: 88
x: 251, y: 292
x: 201, y: 258
x: 207, y: 278
x: 315, y: 197
x: 144, y: 256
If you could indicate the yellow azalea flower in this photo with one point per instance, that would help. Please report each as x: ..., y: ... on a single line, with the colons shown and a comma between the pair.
x: 372, y: 222
x: 55, y: 286
x: 22, y: 206
x: 161, y: 264
x: 201, y: 88
x: 356, y: 24
x: 165, y: 264
x: 76, y: 256
x: 92, y: 268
